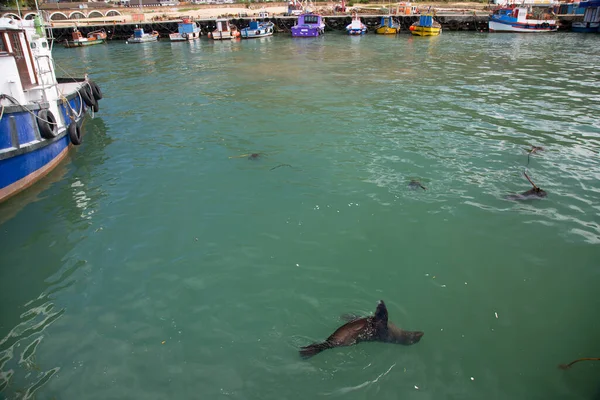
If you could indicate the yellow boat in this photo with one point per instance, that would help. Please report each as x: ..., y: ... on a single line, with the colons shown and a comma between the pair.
x: 388, y: 26
x: 426, y: 26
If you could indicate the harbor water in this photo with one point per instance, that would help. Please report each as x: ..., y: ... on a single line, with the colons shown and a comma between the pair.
x: 161, y: 261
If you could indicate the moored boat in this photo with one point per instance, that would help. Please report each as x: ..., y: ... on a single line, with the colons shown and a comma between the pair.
x: 308, y: 25
x: 258, y: 29
x: 426, y: 26
x: 591, y: 18
x: 40, y: 115
x: 139, y: 36
x: 186, y: 30
x: 520, y: 19
x: 356, y: 27
x: 95, y: 37
x: 387, y: 26
x: 224, y: 30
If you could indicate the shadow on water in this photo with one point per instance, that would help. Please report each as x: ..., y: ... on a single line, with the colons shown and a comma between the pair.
x: 32, y: 279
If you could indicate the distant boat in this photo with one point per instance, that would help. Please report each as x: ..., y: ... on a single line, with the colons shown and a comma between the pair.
x: 387, y: 26
x: 591, y: 18
x: 139, y: 36
x: 308, y: 25
x: 356, y: 27
x: 519, y: 19
x: 95, y: 37
x: 41, y: 116
x: 186, y: 30
x: 258, y: 29
x: 426, y: 26
x: 224, y: 30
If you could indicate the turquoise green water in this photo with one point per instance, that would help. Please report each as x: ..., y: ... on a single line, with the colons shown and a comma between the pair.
x: 155, y: 263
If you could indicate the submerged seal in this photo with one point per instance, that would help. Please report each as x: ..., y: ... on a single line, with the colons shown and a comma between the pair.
x: 567, y: 366
x: 367, y: 329
x: 533, y: 150
x: 534, y: 193
x: 414, y: 185
x: 254, y: 156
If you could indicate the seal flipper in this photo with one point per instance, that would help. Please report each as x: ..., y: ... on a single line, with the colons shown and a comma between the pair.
x: 381, y: 313
x: 313, y: 349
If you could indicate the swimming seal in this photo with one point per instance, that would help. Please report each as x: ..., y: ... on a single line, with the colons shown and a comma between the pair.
x: 534, y: 193
x: 366, y: 329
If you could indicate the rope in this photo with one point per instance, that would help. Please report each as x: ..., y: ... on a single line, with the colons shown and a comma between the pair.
x: 2, y: 112
x: 15, y: 102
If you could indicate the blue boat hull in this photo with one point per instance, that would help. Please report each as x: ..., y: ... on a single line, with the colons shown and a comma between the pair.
x: 25, y: 156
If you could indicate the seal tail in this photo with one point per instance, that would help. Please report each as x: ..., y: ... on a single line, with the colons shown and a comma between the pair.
x: 313, y: 349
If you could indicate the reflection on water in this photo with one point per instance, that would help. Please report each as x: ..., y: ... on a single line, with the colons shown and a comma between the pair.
x: 41, y: 273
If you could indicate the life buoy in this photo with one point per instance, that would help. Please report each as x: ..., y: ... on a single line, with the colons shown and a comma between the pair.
x: 75, y: 133
x: 257, y: 32
x: 47, y: 124
x: 96, y: 92
x: 184, y: 35
x: 86, y: 94
x: 545, y: 25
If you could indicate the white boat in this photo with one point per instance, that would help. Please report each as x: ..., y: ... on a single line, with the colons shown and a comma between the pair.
x: 41, y: 115
x: 186, y: 30
x: 224, y: 30
x: 356, y: 27
x: 139, y: 36
x: 519, y: 19
x: 258, y: 29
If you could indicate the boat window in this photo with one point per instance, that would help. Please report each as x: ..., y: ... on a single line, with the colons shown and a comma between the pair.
x: 3, y: 48
x: 311, y: 19
x: 33, y: 45
x: 44, y: 44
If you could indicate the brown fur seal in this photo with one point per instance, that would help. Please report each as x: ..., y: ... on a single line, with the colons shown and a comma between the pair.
x: 367, y: 329
x: 534, y: 193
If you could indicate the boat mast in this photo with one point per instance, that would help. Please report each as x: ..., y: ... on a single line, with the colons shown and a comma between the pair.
x: 18, y: 9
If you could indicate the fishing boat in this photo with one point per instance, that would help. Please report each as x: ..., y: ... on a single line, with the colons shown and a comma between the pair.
x: 224, y: 30
x: 387, y: 26
x: 186, y: 30
x: 139, y: 36
x: 520, y: 19
x: 95, y: 37
x: 356, y: 27
x: 308, y: 25
x: 426, y: 26
x: 591, y: 18
x: 258, y: 29
x: 41, y: 115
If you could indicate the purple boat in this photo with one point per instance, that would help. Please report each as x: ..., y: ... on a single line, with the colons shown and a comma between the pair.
x: 308, y: 25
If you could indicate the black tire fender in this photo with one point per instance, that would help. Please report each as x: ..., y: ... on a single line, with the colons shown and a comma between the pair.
x: 75, y: 133
x: 86, y: 94
x: 47, y: 124
x: 95, y: 90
